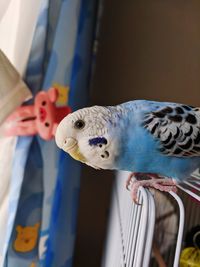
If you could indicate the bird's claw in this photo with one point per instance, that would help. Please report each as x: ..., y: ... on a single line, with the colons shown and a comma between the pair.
x: 136, y: 202
x: 129, y: 181
x: 128, y: 187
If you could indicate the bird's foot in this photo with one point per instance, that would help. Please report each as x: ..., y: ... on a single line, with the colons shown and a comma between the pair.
x: 165, y: 185
x: 139, y: 176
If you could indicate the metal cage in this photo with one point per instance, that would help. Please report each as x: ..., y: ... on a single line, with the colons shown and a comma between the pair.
x: 131, y: 227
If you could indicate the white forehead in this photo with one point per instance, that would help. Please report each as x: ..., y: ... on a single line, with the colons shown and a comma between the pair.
x: 95, y: 118
x: 91, y: 112
x: 90, y: 115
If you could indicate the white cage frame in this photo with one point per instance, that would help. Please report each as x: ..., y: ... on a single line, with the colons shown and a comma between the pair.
x: 131, y: 226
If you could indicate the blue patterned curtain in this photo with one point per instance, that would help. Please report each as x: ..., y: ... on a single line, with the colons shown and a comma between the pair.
x: 45, y: 182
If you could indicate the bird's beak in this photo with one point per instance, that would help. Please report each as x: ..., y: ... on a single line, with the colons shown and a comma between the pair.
x: 69, y: 144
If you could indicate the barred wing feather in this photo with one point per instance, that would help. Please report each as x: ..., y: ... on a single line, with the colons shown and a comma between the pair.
x: 177, y: 128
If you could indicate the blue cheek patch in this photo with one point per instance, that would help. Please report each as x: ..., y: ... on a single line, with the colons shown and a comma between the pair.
x: 98, y: 141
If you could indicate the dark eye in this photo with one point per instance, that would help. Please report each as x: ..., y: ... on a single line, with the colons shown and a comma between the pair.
x: 46, y: 124
x: 79, y: 124
x: 43, y: 103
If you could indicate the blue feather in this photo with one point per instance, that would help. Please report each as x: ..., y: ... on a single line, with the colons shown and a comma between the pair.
x: 139, y: 149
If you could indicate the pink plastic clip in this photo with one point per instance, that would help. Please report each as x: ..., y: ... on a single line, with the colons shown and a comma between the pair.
x: 41, y: 118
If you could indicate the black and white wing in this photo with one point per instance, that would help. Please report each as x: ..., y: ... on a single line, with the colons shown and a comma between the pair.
x: 177, y: 128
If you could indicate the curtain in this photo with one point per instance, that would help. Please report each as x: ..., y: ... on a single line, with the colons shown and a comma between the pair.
x: 15, y: 42
x: 45, y: 182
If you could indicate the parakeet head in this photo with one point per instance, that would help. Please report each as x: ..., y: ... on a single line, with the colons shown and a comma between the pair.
x: 88, y: 136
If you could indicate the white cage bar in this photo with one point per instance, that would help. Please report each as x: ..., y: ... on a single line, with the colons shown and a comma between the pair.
x: 131, y: 228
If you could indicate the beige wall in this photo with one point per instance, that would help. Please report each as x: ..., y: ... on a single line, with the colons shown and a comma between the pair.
x: 148, y: 50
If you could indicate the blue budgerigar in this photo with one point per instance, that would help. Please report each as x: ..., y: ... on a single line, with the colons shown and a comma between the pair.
x: 160, y: 140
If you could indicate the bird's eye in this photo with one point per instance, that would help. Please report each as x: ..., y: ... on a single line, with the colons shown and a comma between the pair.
x: 79, y: 124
